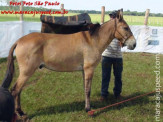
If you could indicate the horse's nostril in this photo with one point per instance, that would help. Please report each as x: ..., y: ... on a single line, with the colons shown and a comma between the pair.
x: 134, y: 45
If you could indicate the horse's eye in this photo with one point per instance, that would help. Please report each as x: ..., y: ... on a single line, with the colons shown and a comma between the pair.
x: 126, y: 28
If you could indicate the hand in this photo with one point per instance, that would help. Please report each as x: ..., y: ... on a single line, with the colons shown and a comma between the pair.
x: 120, y: 43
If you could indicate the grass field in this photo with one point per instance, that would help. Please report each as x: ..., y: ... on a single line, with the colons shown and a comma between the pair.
x: 131, y: 20
x: 56, y: 97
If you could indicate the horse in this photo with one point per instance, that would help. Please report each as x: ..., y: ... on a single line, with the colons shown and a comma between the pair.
x: 7, y: 106
x: 65, y: 53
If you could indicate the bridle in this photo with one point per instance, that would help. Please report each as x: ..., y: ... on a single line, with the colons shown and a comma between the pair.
x: 124, y: 39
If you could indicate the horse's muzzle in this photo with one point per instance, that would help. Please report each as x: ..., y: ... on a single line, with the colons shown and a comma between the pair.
x: 131, y: 43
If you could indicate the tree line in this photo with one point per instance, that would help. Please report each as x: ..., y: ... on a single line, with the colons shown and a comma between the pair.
x: 128, y: 12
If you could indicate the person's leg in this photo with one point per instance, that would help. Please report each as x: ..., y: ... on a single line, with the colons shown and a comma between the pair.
x: 106, y: 73
x: 118, y: 68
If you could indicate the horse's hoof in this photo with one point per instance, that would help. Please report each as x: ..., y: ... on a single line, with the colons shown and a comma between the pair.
x: 87, y: 109
x: 22, y: 118
x: 25, y: 118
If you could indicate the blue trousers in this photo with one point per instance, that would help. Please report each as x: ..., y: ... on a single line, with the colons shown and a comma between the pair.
x: 107, y: 63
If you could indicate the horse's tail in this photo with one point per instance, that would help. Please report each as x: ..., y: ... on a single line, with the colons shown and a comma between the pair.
x: 10, y: 68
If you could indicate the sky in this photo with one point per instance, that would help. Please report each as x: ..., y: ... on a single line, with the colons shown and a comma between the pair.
x: 155, y: 6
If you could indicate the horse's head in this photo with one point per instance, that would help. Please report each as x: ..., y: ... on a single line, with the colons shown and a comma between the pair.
x: 123, y: 32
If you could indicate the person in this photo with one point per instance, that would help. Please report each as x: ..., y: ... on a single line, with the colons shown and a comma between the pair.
x: 112, y: 56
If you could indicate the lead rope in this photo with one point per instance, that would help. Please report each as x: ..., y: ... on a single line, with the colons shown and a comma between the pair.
x: 91, y: 113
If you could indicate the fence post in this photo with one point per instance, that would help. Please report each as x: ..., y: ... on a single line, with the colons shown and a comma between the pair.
x: 21, y: 9
x: 62, y: 10
x: 146, y: 17
x: 102, y: 14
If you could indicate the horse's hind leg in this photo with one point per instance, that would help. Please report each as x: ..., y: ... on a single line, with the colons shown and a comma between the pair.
x: 26, y: 71
x: 16, y: 91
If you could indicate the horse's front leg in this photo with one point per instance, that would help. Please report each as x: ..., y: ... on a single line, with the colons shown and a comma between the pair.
x: 88, y: 75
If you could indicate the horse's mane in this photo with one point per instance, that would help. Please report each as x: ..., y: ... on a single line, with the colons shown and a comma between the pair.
x: 93, y: 28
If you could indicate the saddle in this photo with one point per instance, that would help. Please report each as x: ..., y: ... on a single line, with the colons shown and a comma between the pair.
x: 67, y: 20
x: 65, y: 25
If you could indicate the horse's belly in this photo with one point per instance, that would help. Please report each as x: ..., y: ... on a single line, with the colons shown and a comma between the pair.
x: 63, y: 59
x: 63, y: 67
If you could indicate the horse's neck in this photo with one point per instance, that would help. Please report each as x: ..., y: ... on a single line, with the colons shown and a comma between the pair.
x: 106, y: 34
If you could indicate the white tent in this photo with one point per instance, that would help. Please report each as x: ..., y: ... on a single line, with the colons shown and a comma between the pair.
x: 148, y: 38
x: 12, y: 31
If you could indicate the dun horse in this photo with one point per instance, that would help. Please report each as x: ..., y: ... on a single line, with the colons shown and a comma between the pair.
x: 65, y: 53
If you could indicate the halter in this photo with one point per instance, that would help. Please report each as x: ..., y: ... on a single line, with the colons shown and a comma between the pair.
x: 124, y: 39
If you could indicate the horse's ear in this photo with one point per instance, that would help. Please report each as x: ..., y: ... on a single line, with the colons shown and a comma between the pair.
x: 120, y: 14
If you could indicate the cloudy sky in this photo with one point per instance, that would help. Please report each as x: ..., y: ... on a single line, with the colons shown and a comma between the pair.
x: 155, y: 6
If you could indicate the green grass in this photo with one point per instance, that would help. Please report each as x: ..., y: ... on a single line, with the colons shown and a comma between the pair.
x: 139, y: 20
x: 131, y: 20
x: 54, y: 96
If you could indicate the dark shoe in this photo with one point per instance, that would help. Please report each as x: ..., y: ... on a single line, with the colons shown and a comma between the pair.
x: 103, y: 99
x: 119, y: 97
